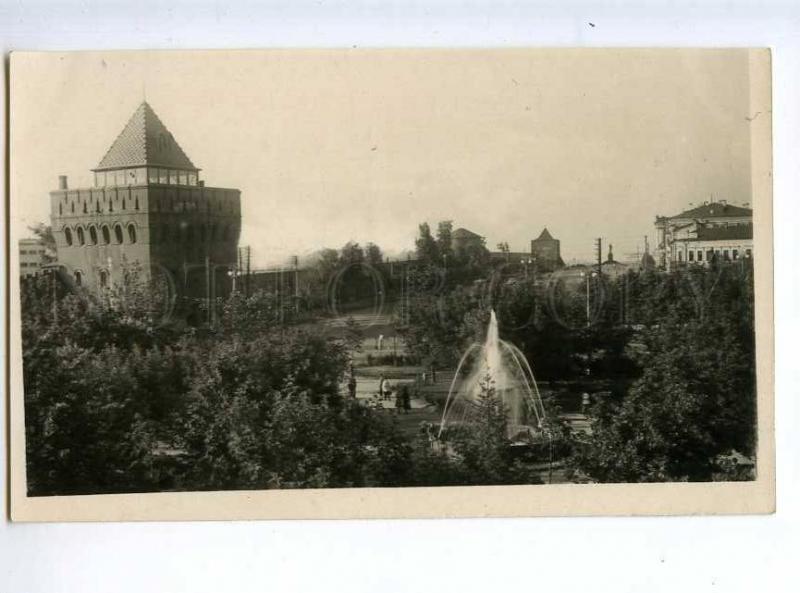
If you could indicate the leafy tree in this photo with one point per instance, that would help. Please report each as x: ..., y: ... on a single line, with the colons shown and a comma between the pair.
x: 444, y: 239
x: 373, y: 254
x: 427, y: 248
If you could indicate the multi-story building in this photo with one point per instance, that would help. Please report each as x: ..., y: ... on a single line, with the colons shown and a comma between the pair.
x: 148, y: 209
x: 31, y: 257
x: 715, y: 231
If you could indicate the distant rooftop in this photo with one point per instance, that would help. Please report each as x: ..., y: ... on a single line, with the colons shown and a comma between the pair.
x: 462, y: 233
x: 544, y: 236
x: 715, y: 210
x: 145, y: 141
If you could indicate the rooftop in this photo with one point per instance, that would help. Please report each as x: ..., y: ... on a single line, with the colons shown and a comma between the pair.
x: 462, y: 233
x: 544, y: 236
x: 145, y: 141
x: 715, y: 210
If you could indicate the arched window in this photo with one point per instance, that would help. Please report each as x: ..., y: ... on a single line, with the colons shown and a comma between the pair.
x: 111, y: 205
x: 72, y: 207
x: 132, y: 233
x: 103, y: 279
x: 78, y: 279
x: 118, y: 233
x: 97, y: 208
x: 106, y: 235
x: 84, y: 207
x: 136, y: 203
x: 68, y: 235
x: 81, y: 236
x: 123, y: 203
x: 92, y: 235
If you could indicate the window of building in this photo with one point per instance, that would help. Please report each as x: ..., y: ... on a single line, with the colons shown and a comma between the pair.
x: 78, y: 279
x: 60, y: 212
x: 68, y: 236
x: 726, y: 255
x: 132, y: 233
x: 691, y: 255
x: 103, y: 279
x: 118, y: 234
x: 192, y: 179
x: 92, y: 235
x: 73, y: 207
x: 81, y: 237
x: 152, y: 175
x: 182, y: 177
x: 106, y: 235
x: 225, y: 237
x: 699, y: 255
x: 735, y: 254
x: 163, y: 176
x: 84, y: 207
x: 123, y: 203
x: 748, y: 252
x: 136, y: 203
x: 173, y: 177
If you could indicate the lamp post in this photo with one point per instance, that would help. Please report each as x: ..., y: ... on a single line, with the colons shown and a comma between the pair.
x: 588, y: 307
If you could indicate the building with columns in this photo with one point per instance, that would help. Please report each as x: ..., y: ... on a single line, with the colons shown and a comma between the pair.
x: 149, y: 208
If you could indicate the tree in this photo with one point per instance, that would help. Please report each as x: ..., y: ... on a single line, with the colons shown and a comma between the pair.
x: 373, y: 254
x: 444, y: 239
x: 694, y: 402
x: 351, y: 254
x: 427, y: 248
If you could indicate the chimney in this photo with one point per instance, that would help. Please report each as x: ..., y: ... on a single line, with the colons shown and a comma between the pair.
x: 62, y: 182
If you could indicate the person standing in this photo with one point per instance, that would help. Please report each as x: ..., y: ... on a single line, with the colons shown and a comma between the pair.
x: 406, y: 399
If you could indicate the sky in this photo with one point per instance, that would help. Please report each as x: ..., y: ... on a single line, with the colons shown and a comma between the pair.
x: 363, y: 145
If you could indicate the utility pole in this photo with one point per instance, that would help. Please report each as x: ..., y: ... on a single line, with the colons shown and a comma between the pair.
x: 247, y: 276
x: 296, y: 262
x: 599, y: 249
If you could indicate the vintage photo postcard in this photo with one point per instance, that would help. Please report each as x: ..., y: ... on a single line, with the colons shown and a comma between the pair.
x: 390, y: 283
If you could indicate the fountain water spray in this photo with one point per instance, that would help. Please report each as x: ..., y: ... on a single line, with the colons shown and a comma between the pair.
x: 507, y: 371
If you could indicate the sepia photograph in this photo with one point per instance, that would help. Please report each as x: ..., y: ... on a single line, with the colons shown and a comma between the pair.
x: 361, y: 283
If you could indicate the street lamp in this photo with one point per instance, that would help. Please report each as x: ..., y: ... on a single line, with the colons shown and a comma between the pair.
x: 588, y: 308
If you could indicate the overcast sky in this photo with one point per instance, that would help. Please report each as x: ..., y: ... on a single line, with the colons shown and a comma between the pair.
x: 328, y: 147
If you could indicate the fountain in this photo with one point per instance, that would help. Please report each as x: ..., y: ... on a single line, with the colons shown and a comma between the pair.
x: 502, y: 365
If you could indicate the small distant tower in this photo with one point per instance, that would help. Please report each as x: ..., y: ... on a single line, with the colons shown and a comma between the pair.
x: 610, y: 253
x: 547, y: 252
x: 148, y: 206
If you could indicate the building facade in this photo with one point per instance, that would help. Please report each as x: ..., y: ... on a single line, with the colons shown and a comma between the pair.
x: 150, y: 210
x: 31, y: 257
x: 547, y: 252
x: 715, y: 231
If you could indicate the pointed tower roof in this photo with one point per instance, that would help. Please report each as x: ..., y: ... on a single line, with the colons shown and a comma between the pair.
x: 545, y: 235
x: 145, y: 141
